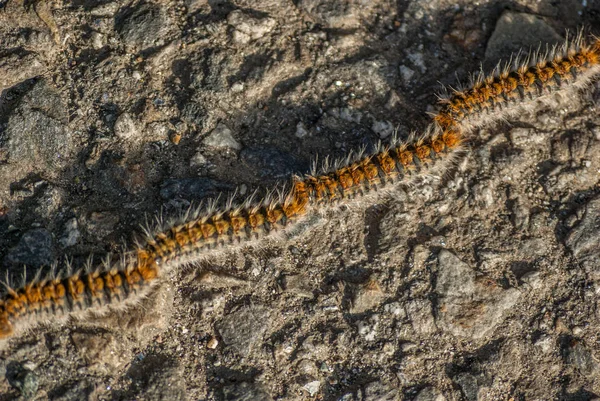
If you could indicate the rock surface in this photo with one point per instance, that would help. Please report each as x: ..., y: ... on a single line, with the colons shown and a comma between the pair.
x: 478, y: 283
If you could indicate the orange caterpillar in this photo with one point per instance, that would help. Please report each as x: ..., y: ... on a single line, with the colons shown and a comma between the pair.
x: 198, y: 234
x: 57, y: 297
x: 195, y: 235
x: 520, y: 85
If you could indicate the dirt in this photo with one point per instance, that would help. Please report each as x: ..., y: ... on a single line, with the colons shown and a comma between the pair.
x: 478, y: 285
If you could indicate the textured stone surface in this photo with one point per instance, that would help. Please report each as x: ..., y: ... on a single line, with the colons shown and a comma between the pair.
x: 467, y: 307
x: 479, y: 282
x: 243, y: 329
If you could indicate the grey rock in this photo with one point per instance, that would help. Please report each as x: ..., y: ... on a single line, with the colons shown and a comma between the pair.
x: 312, y: 387
x: 48, y: 202
x: 584, y: 239
x: 193, y: 113
x: 158, y: 131
x: 247, y: 28
x: 37, y: 137
x: 380, y: 391
x: 192, y: 188
x: 199, y: 160
x: 157, y: 377
x: 16, y: 67
x: 366, y: 297
x: 35, y: 248
x: 515, y: 31
x: 429, y: 394
x: 466, y: 307
x: 101, y: 224
x: 243, y: 329
x: 336, y: 14
x: 301, y: 130
x: 143, y: 27
x: 420, y: 315
x: 71, y: 233
x: 468, y: 385
x: 196, y: 5
x: 383, y: 128
x: 23, y: 379
x: 221, y: 138
x: 369, y: 327
x: 520, y: 214
x: 298, y: 284
x: 125, y: 127
x: 407, y: 74
x: 577, y: 354
x: 271, y: 162
x: 245, y: 391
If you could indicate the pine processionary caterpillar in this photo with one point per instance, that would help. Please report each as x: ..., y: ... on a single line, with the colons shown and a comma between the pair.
x: 202, y: 232
x: 520, y: 84
x: 199, y: 233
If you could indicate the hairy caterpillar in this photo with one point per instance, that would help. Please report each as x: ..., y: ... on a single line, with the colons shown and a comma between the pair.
x: 197, y: 234
x: 520, y: 84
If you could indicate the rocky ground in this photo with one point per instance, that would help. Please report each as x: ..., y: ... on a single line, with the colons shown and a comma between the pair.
x: 481, y: 285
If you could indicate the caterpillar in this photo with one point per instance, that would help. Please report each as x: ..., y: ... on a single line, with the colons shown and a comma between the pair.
x: 519, y: 85
x: 197, y: 234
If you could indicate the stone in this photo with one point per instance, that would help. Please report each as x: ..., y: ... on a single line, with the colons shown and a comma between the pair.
x: 35, y: 248
x: 143, y: 26
x: 301, y: 130
x: 98, y: 40
x: 407, y: 74
x: 420, y: 315
x: 36, y: 136
x: 157, y: 377
x: 245, y: 391
x: 312, y: 388
x: 221, y: 280
x: 515, y: 31
x: 101, y: 224
x: 367, y: 297
x: 584, y: 238
x: 48, y: 200
x: 247, y: 28
x: 71, y: 233
x: 18, y: 67
x: 23, y: 379
x: 298, y: 284
x: 101, y: 349
x: 380, y: 391
x: 383, y: 128
x: 467, y: 307
x: 468, y: 385
x: 198, y: 160
x: 125, y: 127
x: 368, y: 327
x: 429, y: 394
x: 577, y: 354
x: 244, y: 328
x: 337, y: 14
x: 221, y: 138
